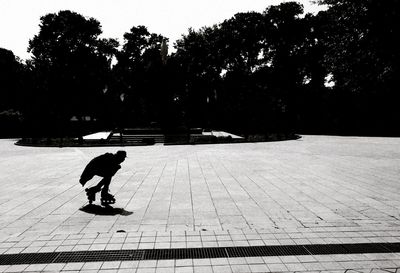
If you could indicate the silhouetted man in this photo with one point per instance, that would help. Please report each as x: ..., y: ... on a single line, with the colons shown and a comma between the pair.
x: 106, y: 166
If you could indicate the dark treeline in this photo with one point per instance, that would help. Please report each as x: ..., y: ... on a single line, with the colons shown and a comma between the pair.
x: 276, y: 71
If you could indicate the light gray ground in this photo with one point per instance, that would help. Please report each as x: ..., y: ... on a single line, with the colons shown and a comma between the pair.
x: 315, y: 190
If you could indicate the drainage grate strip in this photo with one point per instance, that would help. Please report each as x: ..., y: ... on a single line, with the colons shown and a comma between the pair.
x: 28, y: 258
x: 326, y: 249
x: 195, y: 253
x: 392, y: 247
x: 365, y: 248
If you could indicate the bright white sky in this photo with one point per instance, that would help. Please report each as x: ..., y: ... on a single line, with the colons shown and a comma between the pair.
x: 19, y: 19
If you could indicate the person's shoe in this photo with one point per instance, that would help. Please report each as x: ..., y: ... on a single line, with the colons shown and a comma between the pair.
x: 107, y: 199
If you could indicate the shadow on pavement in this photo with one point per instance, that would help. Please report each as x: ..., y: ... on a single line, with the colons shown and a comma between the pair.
x: 99, y: 210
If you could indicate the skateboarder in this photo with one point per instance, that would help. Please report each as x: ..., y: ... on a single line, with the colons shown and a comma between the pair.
x: 106, y: 166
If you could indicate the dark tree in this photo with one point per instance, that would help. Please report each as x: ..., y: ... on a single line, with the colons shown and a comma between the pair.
x: 12, y: 93
x: 201, y: 62
x: 362, y: 54
x: 240, y: 101
x: 284, y: 37
x: 248, y: 67
x: 139, y: 77
x: 11, y: 80
x: 72, y: 68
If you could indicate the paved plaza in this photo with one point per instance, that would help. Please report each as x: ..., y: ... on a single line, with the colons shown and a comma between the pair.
x: 317, y: 190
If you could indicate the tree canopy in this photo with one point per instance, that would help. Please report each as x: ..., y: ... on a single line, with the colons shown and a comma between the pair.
x: 72, y: 67
x: 276, y: 70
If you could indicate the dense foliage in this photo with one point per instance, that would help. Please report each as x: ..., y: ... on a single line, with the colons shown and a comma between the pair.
x: 276, y: 71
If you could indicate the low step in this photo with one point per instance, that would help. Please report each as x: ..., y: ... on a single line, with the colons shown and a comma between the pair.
x: 148, y: 138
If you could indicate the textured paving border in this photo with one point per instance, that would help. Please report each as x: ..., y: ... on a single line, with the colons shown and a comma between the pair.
x: 195, y: 253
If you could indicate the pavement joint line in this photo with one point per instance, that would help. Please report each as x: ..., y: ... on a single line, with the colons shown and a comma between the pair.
x: 196, y: 253
x: 171, y: 196
x: 208, y: 190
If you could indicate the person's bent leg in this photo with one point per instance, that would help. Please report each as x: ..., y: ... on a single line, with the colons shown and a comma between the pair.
x: 106, y: 197
x: 107, y: 179
x: 105, y: 182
